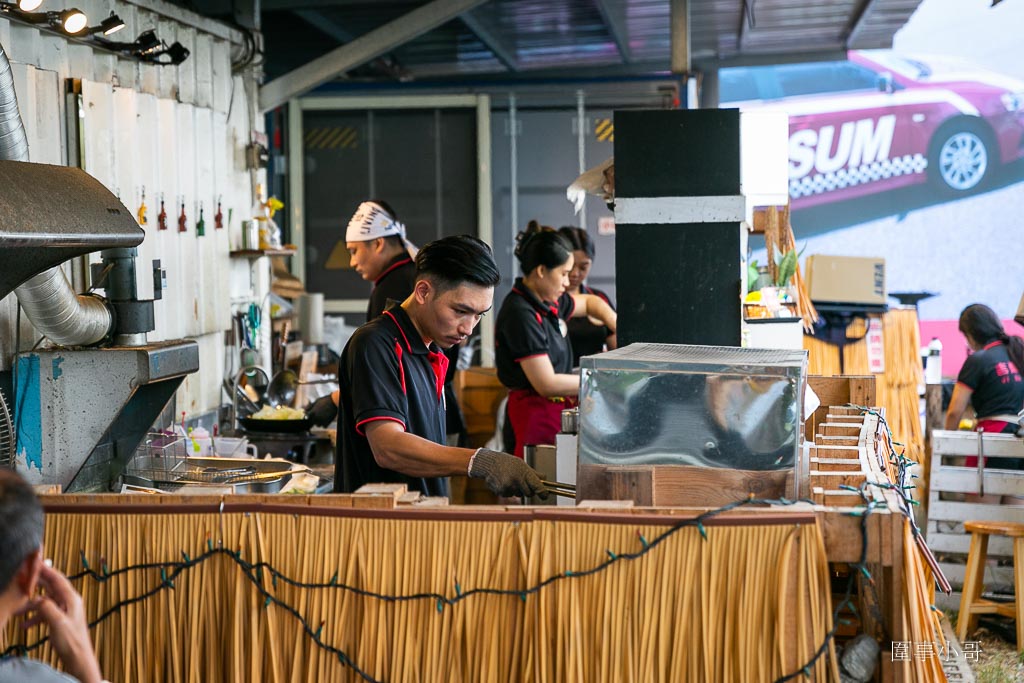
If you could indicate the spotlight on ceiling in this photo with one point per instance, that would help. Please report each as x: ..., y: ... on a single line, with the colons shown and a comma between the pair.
x: 108, y: 26
x: 147, y: 42
x: 177, y: 53
x: 72, y: 20
x: 149, y: 48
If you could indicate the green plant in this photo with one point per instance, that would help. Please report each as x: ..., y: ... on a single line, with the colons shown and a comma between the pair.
x: 785, y: 266
x: 752, y: 277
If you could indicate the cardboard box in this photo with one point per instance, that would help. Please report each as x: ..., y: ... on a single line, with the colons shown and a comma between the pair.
x: 846, y: 279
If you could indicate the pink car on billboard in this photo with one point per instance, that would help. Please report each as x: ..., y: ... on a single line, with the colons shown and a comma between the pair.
x: 880, y: 120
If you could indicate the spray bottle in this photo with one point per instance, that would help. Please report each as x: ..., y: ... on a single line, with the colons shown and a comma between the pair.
x: 933, y: 364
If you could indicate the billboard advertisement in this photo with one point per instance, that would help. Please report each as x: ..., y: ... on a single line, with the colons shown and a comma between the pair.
x: 914, y: 154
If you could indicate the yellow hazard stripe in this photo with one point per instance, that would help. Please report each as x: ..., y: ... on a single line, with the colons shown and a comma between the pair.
x: 331, y: 141
x: 318, y: 136
x: 350, y: 137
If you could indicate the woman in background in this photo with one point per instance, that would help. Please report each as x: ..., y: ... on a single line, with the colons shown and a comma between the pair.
x: 588, y: 336
x: 533, y: 353
x: 990, y: 379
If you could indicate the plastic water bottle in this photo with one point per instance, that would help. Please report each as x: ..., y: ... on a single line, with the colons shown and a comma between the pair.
x: 933, y: 365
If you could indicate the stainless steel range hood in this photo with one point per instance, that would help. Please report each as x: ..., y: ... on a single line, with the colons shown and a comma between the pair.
x: 82, y: 406
x: 50, y: 214
x: 80, y: 411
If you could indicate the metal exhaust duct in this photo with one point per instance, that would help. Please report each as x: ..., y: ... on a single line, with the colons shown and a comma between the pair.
x: 48, y: 299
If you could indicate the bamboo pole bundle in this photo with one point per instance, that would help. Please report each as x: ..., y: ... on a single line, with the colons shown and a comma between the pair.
x: 896, y: 386
x: 922, y: 625
x: 749, y: 603
x: 902, y: 377
x: 778, y: 236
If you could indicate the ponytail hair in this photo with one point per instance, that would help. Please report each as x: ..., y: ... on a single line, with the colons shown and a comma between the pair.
x: 540, y: 245
x: 1015, y: 350
x: 578, y: 238
x: 983, y: 326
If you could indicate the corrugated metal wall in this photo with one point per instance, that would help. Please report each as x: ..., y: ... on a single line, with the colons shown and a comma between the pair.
x: 179, y: 132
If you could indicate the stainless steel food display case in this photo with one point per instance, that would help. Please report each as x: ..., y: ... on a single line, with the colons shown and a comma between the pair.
x: 697, y: 414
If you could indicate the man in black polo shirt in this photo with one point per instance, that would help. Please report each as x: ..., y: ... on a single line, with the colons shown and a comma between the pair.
x: 380, y: 252
x: 392, y: 423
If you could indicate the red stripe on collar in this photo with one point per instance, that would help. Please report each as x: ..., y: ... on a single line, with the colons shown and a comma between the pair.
x: 400, y: 330
x: 532, y: 300
x: 990, y: 345
x: 392, y: 267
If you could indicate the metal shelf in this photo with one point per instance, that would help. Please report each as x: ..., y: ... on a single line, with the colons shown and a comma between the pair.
x: 259, y: 253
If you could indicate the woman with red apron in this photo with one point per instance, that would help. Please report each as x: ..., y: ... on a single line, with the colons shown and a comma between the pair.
x: 990, y: 379
x: 532, y: 348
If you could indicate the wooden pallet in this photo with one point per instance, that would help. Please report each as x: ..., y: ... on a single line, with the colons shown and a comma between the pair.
x: 949, y: 478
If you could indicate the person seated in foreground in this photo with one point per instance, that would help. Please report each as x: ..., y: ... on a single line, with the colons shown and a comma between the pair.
x: 22, y: 573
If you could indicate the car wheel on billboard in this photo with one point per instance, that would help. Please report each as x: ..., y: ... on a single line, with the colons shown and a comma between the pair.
x: 960, y: 157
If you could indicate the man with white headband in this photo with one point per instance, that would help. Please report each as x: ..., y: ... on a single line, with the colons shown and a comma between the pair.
x: 380, y: 252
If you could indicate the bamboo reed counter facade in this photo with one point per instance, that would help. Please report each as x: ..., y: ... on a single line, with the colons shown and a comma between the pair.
x: 363, y: 587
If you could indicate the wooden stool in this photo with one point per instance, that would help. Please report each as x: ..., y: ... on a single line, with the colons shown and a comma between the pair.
x: 971, y: 603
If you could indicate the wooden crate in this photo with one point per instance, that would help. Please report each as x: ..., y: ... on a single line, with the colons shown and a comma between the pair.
x: 834, y: 393
x: 479, y: 394
x: 949, y: 478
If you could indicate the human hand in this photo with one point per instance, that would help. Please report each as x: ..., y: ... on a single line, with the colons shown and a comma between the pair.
x: 322, y: 411
x: 61, y: 609
x: 506, y: 475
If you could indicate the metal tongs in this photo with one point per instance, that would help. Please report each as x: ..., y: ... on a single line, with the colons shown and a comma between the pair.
x: 560, y: 489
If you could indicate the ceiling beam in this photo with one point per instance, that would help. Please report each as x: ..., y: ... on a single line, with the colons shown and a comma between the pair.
x: 274, y: 5
x: 679, y: 27
x: 441, y: 77
x: 502, y: 49
x: 745, y: 19
x: 361, y: 50
x: 324, y: 24
x: 330, y: 27
x: 247, y: 14
x: 614, y: 16
x: 859, y: 24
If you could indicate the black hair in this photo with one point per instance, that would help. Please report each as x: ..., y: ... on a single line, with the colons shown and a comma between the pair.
x: 452, y: 261
x: 578, y: 238
x: 21, y: 528
x: 541, y: 246
x: 387, y: 207
x: 394, y: 241
x: 983, y: 326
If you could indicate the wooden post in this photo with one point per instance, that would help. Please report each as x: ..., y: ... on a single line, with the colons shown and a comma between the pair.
x: 933, y: 420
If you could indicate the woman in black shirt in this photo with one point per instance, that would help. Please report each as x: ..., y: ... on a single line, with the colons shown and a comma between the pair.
x: 588, y: 336
x: 990, y: 379
x: 532, y: 349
